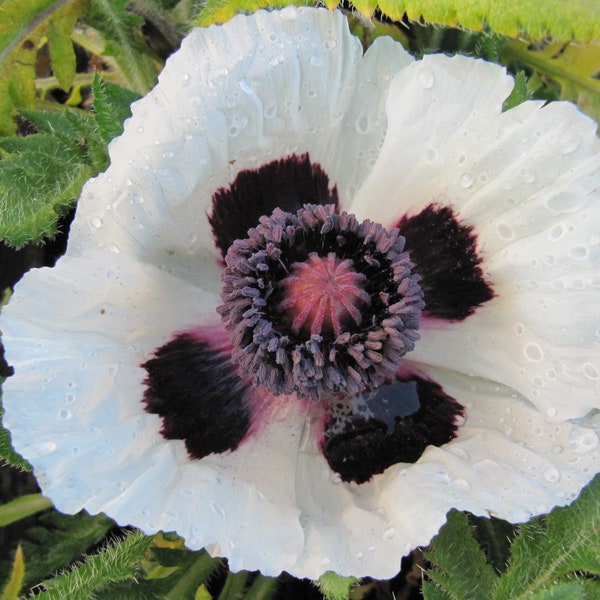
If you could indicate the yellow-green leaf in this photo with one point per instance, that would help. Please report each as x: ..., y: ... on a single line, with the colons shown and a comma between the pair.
x: 574, y: 67
x: 24, y: 26
x: 15, y: 582
x: 536, y: 19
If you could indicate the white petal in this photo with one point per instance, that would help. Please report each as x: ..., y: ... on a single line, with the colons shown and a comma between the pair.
x: 236, y: 97
x: 527, y: 180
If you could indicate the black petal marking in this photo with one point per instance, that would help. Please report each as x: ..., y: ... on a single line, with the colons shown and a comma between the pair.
x: 199, y: 396
x: 367, y: 444
x: 444, y: 254
x: 287, y: 184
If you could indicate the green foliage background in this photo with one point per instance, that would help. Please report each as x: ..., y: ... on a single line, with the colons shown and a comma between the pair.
x: 56, y: 120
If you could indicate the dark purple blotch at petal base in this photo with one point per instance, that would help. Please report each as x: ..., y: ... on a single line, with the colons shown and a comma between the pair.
x: 199, y: 396
x: 288, y: 184
x: 445, y: 256
x: 406, y: 417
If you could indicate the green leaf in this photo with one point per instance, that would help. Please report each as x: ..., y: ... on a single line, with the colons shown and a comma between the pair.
x: 41, y: 175
x: 15, y: 581
x: 117, y: 562
x: 123, y: 41
x: 553, y: 549
x: 574, y: 68
x: 112, y: 105
x: 56, y: 540
x: 519, y: 93
x: 559, y: 19
x: 460, y: 571
x: 40, y: 179
x: 22, y: 507
x: 334, y: 586
x: 24, y: 25
x: 566, y: 591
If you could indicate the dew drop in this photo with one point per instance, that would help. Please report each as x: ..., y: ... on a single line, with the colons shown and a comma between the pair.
x: 138, y: 199
x: 362, y: 123
x: 388, y: 534
x: 582, y: 440
x: 442, y: 477
x: 95, y: 222
x: 527, y: 175
x: 431, y: 155
x: 569, y: 144
x: 316, y: 60
x: 556, y: 232
x: 45, y: 448
x: 64, y: 414
x: 425, y: 78
x: 551, y: 411
x: 579, y: 252
x: 505, y: 232
x: 218, y: 509
x: 533, y: 352
x: 551, y: 475
x: 467, y: 180
x: 519, y: 329
x: 184, y: 76
x: 590, y: 371
x: 329, y: 44
x: 462, y: 159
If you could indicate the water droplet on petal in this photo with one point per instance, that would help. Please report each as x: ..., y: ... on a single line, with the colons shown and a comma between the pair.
x: 95, y: 222
x: 389, y: 533
x: 551, y: 411
x: 505, y: 232
x: 590, y: 371
x: 569, y: 144
x: 467, y: 180
x: 218, y: 509
x: 425, y: 78
x: 551, y: 475
x: 362, y: 123
x: 579, y: 252
x: 533, y: 352
x: 64, y: 414
x: 582, y: 440
x: 527, y: 175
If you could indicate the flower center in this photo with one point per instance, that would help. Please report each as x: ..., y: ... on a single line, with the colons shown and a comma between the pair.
x: 316, y: 302
x: 324, y: 293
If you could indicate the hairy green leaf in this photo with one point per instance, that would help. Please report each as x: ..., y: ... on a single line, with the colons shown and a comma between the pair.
x: 123, y: 40
x: 57, y: 540
x: 334, y: 586
x: 117, y: 562
x: 460, y: 567
x: 41, y: 175
x: 40, y: 179
x: 559, y: 19
x: 24, y: 25
x: 552, y: 549
x: 112, y: 105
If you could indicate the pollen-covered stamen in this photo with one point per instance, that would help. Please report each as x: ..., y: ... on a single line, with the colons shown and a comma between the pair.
x: 316, y: 302
x: 322, y: 293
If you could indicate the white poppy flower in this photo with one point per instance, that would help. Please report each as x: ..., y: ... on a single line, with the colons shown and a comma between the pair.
x: 322, y: 401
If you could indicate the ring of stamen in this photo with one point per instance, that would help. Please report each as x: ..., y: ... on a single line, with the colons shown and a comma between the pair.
x: 316, y: 302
